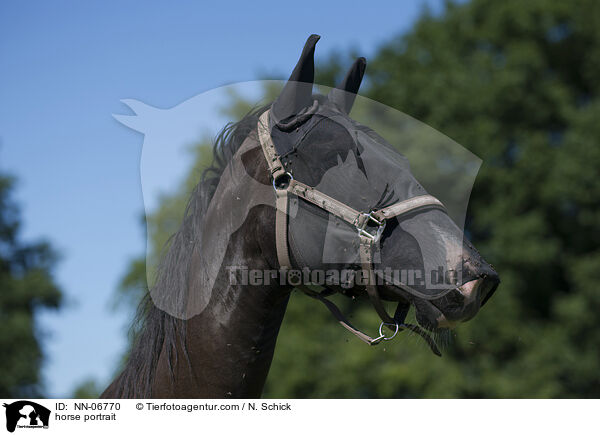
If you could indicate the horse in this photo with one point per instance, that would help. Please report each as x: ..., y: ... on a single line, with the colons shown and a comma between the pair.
x: 328, y: 194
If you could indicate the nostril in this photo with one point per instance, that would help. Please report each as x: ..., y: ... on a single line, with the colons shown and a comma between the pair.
x: 488, y: 287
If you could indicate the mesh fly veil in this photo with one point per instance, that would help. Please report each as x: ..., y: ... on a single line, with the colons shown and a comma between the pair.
x: 368, y: 174
x: 361, y: 169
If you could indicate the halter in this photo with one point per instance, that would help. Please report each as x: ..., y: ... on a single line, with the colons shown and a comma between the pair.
x: 369, y: 226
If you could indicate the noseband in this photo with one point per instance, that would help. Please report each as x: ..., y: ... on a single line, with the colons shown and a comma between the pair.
x: 369, y: 226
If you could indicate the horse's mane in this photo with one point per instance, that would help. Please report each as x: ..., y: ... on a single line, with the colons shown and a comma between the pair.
x: 154, y: 329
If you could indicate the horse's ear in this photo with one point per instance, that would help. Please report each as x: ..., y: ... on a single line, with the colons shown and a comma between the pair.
x: 343, y: 95
x: 297, y: 92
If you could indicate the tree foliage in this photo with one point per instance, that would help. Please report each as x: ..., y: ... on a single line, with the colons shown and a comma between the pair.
x: 26, y: 286
x: 517, y: 84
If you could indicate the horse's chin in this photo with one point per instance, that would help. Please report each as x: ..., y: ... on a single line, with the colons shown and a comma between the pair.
x: 430, y: 317
x: 427, y: 314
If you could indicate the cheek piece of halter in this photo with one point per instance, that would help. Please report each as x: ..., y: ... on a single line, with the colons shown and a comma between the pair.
x: 369, y: 226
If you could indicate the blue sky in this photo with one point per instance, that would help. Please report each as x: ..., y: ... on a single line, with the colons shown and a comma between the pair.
x: 65, y: 66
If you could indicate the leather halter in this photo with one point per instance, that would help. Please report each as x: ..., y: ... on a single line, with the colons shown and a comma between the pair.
x: 369, y: 235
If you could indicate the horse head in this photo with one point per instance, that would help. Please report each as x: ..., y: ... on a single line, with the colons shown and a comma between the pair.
x: 322, y: 147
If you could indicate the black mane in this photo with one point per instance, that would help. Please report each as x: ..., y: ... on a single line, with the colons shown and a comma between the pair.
x: 152, y: 327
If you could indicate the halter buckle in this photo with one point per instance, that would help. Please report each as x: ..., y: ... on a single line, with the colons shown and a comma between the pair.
x: 363, y: 229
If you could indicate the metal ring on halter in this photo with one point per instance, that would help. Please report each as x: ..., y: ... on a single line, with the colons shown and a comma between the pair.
x: 382, y: 335
x: 278, y: 184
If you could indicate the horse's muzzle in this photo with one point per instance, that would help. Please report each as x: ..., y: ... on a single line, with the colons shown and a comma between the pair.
x: 463, y: 304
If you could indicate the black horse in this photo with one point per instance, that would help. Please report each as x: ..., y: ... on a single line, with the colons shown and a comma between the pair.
x: 224, y: 346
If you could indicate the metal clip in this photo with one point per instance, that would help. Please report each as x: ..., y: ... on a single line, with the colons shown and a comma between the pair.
x: 363, y: 228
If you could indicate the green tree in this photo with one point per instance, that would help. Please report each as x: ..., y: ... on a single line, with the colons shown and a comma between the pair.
x: 26, y: 286
x: 517, y: 84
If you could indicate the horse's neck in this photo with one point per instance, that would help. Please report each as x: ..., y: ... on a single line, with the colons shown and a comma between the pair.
x: 230, y: 344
